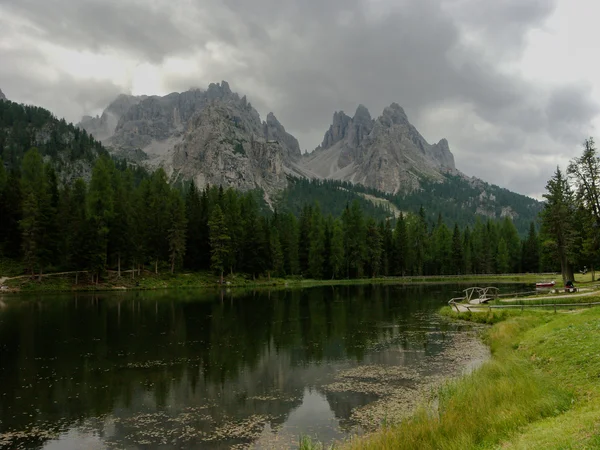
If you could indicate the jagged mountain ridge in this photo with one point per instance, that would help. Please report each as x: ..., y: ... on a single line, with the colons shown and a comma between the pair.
x: 211, y: 136
x: 214, y: 136
x: 387, y: 154
x: 2, y: 96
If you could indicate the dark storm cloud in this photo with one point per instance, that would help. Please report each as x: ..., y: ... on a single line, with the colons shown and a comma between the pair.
x: 304, y: 59
x: 141, y: 28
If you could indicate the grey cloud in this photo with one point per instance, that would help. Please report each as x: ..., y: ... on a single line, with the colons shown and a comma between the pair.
x: 304, y: 59
x: 142, y: 29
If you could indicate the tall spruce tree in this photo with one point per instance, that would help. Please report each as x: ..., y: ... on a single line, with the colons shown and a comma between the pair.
x: 35, y: 205
x: 458, y: 263
x: 558, y: 230
x: 219, y: 241
x: 336, y: 255
x: 177, y: 230
x: 531, y: 251
x: 101, y: 213
x: 374, y: 248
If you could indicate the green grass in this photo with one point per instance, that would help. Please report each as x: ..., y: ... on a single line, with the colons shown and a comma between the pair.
x: 541, y: 389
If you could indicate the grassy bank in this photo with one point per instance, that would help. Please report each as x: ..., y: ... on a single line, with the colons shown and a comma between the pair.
x: 166, y: 280
x: 540, y: 390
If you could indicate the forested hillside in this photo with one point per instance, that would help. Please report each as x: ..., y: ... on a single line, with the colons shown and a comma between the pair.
x: 458, y: 200
x: 118, y: 222
x: 71, y: 150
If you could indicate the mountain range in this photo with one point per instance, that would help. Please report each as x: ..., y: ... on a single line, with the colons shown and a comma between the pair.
x: 215, y: 136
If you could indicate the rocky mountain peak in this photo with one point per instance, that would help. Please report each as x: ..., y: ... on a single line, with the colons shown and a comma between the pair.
x: 219, y: 91
x: 274, y: 131
x: 362, y: 114
x: 393, y: 115
x: 338, y: 129
x: 272, y: 120
x: 2, y: 96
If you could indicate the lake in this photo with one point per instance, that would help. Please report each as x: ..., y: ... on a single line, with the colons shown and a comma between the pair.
x: 220, y: 370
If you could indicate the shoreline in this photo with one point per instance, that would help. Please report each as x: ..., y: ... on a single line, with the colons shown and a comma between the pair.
x: 535, y: 391
x: 207, y: 281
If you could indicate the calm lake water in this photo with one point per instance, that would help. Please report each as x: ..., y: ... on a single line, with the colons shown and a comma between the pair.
x: 190, y: 369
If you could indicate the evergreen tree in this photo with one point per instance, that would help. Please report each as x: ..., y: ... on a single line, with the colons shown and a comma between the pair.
x: 36, y: 201
x: 400, y: 248
x: 458, y: 263
x: 509, y: 233
x: 442, y: 248
x: 196, y: 229
x: 288, y: 235
x: 374, y: 248
x: 387, y: 256
x: 558, y: 231
x: 101, y: 212
x: 503, y: 257
x: 354, y: 240
x: 11, y: 210
x: 531, y: 251
x: 219, y: 241
x: 418, y: 238
x: 316, y: 252
x: 305, y: 227
x: 336, y: 255
x: 177, y: 230
x: 276, y: 254
x: 467, y: 251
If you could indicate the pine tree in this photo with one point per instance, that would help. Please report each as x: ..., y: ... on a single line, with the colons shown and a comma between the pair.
x: 354, y: 240
x: 387, y: 256
x: 36, y: 200
x: 305, y: 227
x: 374, y: 247
x: 458, y: 263
x: 531, y: 251
x: 276, y: 253
x: 336, y: 255
x: 502, y: 257
x: 400, y: 251
x: 509, y: 233
x: 442, y: 248
x: 558, y: 231
x: 197, y: 221
x: 177, y: 230
x: 11, y: 210
x: 101, y: 212
x: 219, y: 241
x: 316, y: 251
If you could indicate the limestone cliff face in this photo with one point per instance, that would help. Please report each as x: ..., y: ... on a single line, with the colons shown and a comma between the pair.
x: 274, y: 131
x: 2, y: 96
x: 212, y: 136
x: 223, y: 145
x: 387, y: 154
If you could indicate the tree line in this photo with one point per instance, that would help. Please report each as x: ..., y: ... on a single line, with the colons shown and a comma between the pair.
x: 120, y: 220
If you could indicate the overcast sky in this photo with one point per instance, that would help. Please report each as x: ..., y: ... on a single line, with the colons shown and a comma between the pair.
x: 513, y: 85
